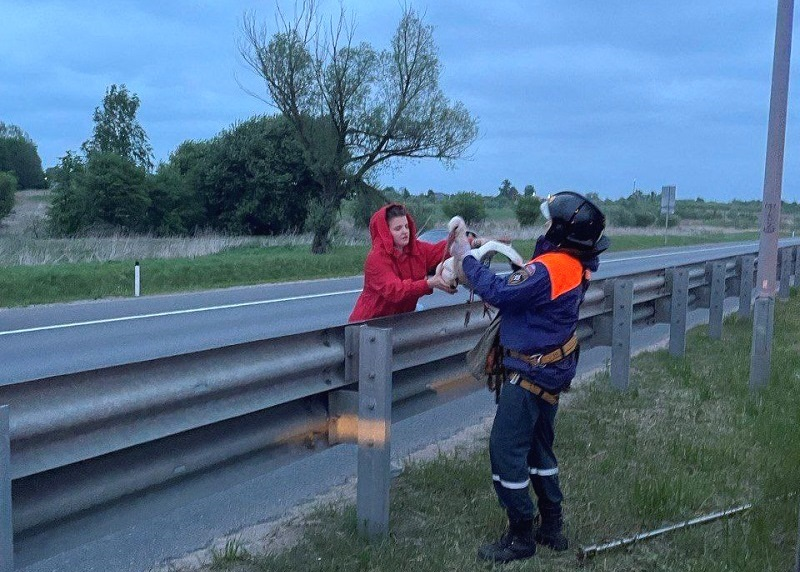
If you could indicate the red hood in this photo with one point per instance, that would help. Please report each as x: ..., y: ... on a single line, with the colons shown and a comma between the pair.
x: 382, y: 236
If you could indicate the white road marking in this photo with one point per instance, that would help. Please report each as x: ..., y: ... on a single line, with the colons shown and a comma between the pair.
x: 177, y: 312
x: 274, y: 301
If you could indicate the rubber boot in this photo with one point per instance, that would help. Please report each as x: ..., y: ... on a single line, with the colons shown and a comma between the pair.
x: 549, y: 531
x: 516, y: 544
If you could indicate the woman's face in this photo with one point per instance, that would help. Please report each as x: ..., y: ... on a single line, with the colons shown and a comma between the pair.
x: 398, y: 226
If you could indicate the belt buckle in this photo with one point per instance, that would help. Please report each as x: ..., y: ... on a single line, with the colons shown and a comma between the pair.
x: 514, y: 379
x: 537, y: 359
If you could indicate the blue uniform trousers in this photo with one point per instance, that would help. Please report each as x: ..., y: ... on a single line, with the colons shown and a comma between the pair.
x: 521, y: 452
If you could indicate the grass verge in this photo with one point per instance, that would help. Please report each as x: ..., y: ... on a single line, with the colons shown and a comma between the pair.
x: 238, y: 266
x: 689, y: 439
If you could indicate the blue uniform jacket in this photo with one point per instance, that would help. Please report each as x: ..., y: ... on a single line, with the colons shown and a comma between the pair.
x: 539, y: 308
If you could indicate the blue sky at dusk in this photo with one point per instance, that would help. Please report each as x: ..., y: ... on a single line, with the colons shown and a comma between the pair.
x: 589, y: 96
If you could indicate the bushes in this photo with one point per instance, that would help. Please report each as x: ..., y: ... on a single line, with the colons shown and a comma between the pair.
x: 8, y: 186
x: 364, y: 205
x: 250, y: 179
x: 116, y: 193
x: 469, y: 206
x: 527, y: 210
x: 18, y: 155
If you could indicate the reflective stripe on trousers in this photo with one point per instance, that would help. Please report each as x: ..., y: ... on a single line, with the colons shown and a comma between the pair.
x: 521, y: 452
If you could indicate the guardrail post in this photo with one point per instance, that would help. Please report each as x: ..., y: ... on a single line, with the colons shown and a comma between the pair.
x: 374, y: 425
x: 746, y: 266
x: 6, y: 525
x: 796, y: 266
x: 679, y: 305
x: 621, y: 334
x: 716, y: 305
x: 786, y: 271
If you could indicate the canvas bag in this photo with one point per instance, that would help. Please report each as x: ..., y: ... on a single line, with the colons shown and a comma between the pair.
x: 485, y: 360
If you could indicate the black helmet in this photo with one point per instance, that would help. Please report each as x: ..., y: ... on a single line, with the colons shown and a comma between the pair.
x: 576, y: 223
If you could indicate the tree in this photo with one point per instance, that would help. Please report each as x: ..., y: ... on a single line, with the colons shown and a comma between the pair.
x: 530, y: 191
x: 18, y: 155
x: 8, y: 186
x: 258, y: 182
x: 469, y: 206
x: 116, y: 129
x: 69, y: 204
x: 527, y: 210
x: 508, y: 191
x: 364, y: 206
x: 116, y: 192
x: 353, y: 108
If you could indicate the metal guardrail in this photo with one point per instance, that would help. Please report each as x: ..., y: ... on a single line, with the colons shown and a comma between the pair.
x: 82, y: 440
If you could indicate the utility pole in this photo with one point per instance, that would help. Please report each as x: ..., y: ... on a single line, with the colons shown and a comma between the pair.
x: 764, y: 308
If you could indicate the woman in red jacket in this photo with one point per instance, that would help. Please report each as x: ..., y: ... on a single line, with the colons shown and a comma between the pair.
x: 397, y: 267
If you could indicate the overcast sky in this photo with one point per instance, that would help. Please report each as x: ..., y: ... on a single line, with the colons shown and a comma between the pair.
x: 581, y: 95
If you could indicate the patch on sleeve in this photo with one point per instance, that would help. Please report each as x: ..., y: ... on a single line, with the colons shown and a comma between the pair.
x: 518, y: 277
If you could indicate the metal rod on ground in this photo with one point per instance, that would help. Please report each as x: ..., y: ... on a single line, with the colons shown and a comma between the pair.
x: 585, y: 552
x: 136, y: 279
x: 6, y: 530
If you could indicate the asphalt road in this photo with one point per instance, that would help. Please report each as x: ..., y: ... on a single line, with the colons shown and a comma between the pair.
x: 49, y: 340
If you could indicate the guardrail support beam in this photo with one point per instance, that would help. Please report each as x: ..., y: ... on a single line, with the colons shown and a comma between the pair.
x: 374, y: 425
x: 6, y: 524
x: 786, y: 272
x: 679, y: 305
x: 621, y: 334
x: 716, y: 306
x: 746, y: 269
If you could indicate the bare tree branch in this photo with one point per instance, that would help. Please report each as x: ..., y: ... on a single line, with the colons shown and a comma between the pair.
x: 353, y: 108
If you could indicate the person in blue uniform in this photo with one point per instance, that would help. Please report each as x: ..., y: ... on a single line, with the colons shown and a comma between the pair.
x: 538, y: 305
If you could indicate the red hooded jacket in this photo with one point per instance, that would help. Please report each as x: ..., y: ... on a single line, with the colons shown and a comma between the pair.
x: 394, y: 280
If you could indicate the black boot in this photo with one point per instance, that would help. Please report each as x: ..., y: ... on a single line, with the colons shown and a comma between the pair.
x: 516, y: 544
x: 549, y: 531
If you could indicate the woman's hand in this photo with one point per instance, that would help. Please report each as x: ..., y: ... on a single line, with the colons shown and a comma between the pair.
x: 437, y: 282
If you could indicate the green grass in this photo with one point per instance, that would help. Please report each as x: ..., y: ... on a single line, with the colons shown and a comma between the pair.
x: 24, y: 285
x: 687, y: 440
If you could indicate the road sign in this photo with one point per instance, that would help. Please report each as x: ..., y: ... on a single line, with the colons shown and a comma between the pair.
x: 668, y: 199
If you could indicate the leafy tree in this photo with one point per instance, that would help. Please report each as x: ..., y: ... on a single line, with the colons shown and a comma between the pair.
x: 527, y: 209
x: 364, y: 206
x: 116, y: 129
x: 353, y: 108
x: 255, y: 180
x: 469, y: 206
x: 8, y: 186
x: 106, y: 191
x: 508, y: 191
x: 19, y: 155
x: 425, y: 212
x: 116, y: 193
x: 529, y: 191
x: 69, y: 203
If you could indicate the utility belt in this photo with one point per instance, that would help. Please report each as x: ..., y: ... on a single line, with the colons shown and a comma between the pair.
x: 538, y: 360
x: 525, y: 383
